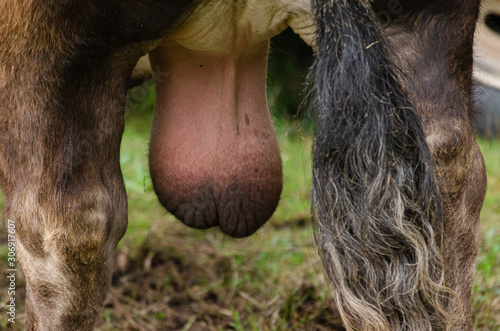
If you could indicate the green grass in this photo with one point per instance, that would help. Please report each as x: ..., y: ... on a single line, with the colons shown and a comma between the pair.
x: 491, y: 208
x: 486, y: 296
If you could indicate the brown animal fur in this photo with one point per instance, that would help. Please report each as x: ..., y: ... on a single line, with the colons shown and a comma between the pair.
x: 398, y: 178
x: 443, y: 63
x: 64, y: 70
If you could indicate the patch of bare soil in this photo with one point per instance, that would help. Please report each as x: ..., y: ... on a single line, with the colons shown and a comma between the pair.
x: 180, y: 283
x: 176, y: 282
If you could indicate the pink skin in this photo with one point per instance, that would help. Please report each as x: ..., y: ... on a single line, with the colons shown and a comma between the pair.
x: 214, y: 155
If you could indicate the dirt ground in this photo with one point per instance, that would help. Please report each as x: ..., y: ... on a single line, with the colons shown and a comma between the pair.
x: 175, y: 281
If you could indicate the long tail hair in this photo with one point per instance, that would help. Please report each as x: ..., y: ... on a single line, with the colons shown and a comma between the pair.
x: 377, y: 210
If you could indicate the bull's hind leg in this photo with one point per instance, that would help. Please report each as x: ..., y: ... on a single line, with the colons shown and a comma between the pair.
x: 65, y: 193
x: 398, y: 178
x: 64, y: 68
x: 433, y: 47
x: 61, y: 177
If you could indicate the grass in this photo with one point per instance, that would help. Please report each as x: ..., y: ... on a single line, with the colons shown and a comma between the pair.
x: 486, y: 296
x: 491, y: 208
x: 170, y: 277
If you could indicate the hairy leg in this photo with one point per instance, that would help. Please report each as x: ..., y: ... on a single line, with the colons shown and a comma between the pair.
x: 398, y: 180
x: 376, y: 205
x: 63, y: 79
x: 432, y: 44
x: 64, y: 189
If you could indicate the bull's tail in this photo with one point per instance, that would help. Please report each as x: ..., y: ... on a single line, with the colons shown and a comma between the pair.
x: 377, y: 208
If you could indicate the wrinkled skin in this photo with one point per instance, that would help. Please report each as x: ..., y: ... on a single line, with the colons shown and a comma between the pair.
x: 214, y: 155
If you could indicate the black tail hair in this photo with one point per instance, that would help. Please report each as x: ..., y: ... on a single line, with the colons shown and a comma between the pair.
x: 377, y: 209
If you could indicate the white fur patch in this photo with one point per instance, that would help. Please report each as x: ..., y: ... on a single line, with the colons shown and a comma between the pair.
x: 226, y: 26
